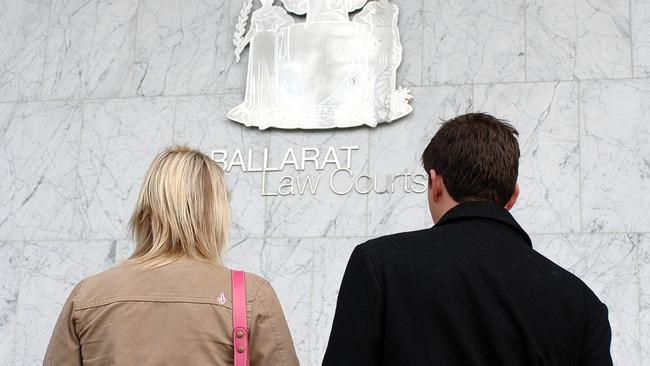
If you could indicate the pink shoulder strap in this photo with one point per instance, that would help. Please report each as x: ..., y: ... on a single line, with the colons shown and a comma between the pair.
x: 240, y: 329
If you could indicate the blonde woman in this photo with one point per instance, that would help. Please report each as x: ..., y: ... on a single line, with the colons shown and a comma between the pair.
x: 170, y: 303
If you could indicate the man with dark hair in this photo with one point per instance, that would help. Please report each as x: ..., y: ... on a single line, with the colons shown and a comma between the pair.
x: 470, y: 290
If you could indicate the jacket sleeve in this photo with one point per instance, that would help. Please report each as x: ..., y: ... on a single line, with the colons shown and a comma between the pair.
x: 356, y: 337
x: 597, y: 339
x: 64, y: 347
x: 270, y: 341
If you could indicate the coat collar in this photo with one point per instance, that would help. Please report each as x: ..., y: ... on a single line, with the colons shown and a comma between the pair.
x: 484, y: 210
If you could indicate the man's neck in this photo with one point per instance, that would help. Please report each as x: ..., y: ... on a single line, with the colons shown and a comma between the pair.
x: 442, y: 208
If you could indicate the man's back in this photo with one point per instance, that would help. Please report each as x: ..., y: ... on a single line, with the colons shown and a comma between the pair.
x: 469, y: 291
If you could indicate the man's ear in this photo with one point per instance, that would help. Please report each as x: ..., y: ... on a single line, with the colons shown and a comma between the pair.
x: 514, y: 197
x: 435, y: 185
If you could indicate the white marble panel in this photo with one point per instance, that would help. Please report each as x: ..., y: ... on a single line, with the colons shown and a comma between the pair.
x: 10, y: 274
x: 473, y: 41
x: 546, y: 116
x: 288, y: 266
x: 603, y: 45
x: 640, y: 13
x: 201, y: 123
x: 615, y: 151
x: 51, y: 270
x: 38, y: 163
x: 550, y: 40
x: 397, y: 148
x: 123, y: 250
x: 70, y: 36
x: 323, y: 213
x: 119, y: 140
x: 644, y: 282
x: 177, y: 46
x: 411, y: 23
x: 90, y: 48
x: 607, y: 263
x: 23, y: 35
x: 331, y: 257
x: 111, y: 56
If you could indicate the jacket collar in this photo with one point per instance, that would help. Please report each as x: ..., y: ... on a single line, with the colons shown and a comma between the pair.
x: 484, y: 210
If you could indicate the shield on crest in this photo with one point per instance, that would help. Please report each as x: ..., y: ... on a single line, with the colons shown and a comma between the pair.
x: 326, y: 72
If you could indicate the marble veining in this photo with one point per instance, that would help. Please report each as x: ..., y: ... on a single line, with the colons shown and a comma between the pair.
x: 615, y: 155
x: 23, y: 33
x: 550, y: 40
x: 70, y: 34
x: 118, y: 141
x: 640, y: 14
x: 603, y: 39
x: 644, y: 285
x: 177, y: 46
x: 109, y: 71
x: 40, y: 152
x: 49, y: 272
x: 10, y: 272
x: 411, y: 23
x: 473, y: 41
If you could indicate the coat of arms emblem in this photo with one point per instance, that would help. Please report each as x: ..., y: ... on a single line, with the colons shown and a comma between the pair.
x: 328, y: 71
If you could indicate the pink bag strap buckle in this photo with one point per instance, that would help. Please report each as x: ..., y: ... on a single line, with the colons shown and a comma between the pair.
x: 239, y: 326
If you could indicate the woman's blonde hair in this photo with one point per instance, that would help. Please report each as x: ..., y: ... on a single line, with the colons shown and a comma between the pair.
x: 182, y: 210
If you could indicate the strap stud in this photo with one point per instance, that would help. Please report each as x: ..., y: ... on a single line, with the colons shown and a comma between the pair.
x: 240, y: 349
x: 239, y: 334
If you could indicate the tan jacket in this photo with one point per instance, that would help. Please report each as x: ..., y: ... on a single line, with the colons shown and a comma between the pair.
x: 171, y: 315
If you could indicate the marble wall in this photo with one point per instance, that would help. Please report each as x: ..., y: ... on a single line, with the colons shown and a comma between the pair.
x: 90, y: 90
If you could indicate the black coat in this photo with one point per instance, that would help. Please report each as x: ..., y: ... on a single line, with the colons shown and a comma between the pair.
x: 468, y: 291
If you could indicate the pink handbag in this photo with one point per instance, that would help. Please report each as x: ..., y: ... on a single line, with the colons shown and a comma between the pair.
x: 240, y: 329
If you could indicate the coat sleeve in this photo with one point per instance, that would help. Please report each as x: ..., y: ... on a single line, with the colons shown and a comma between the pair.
x: 270, y: 339
x: 356, y: 337
x: 64, y: 347
x: 597, y: 340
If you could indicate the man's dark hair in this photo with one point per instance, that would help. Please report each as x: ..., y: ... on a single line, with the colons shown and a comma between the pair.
x: 477, y: 156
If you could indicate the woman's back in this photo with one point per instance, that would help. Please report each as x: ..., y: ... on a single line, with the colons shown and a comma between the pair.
x: 170, y: 303
x: 170, y: 315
